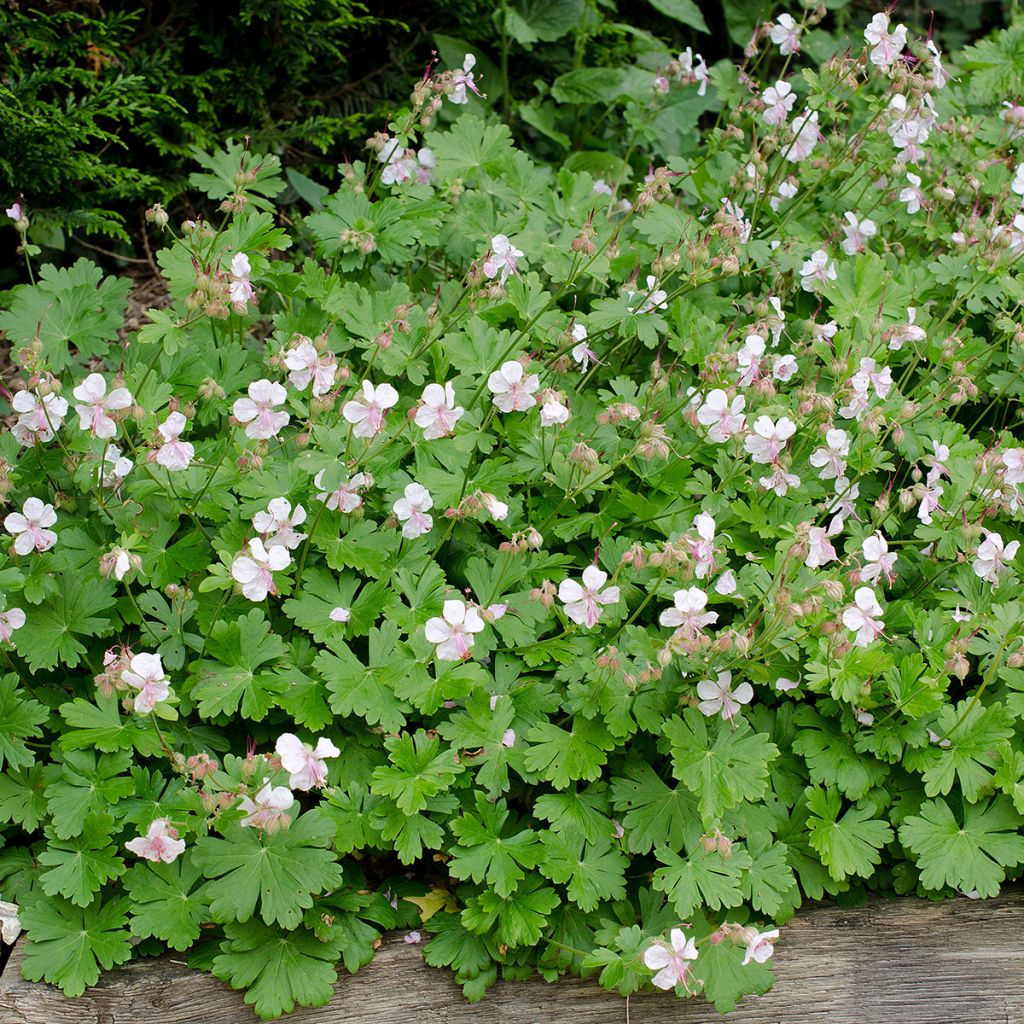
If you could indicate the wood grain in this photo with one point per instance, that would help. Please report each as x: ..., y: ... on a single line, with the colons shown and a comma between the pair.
x: 900, y: 961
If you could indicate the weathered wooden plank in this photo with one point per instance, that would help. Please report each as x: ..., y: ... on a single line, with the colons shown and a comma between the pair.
x: 900, y: 961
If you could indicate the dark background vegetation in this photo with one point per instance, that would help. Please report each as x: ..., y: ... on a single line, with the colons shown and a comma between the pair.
x: 101, y: 103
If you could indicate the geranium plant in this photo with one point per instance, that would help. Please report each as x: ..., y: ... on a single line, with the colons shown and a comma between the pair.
x: 579, y: 575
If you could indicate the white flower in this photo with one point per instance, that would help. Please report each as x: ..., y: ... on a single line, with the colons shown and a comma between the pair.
x: 703, y: 550
x: 305, y: 764
x: 553, y: 412
x: 786, y: 190
x: 497, y: 510
x: 805, y: 138
x: 719, y: 696
x: 39, y: 417
x: 307, y: 364
x: 819, y: 548
x: 1017, y: 185
x: 780, y: 481
x: 146, y: 674
x: 462, y: 79
x: 654, y: 297
x: 993, y: 556
x: 257, y: 411
x: 367, y: 410
x: 912, y: 194
x: 778, y: 99
x: 255, y: 570
x: 240, y: 291
x: 693, y: 70
x: 817, y: 271
x: 871, y: 376
x: 929, y: 503
x: 160, y: 843
x: 115, y: 466
x: 885, y: 46
x: 749, y: 360
x: 267, y: 808
x: 687, y: 612
x: 670, y: 959
x: 783, y: 685
x: 513, y: 390
x: 10, y: 620
x: 863, y: 617
x: 277, y: 524
x: 174, y: 454
x: 785, y: 34
x: 502, y: 259
x: 583, y: 602
x: 726, y: 583
x: 759, y: 945
x: 1013, y: 461
x: 15, y: 211
x: 437, y: 413
x: 453, y: 631
x: 412, y: 511
x: 340, y: 614
x: 879, y: 561
x: 581, y: 352
x: 346, y: 497
x: 722, y: 417
x: 769, y: 438
x: 784, y: 367
x: 906, y: 332
x: 29, y: 527
x: 96, y: 404
x: 858, y: 233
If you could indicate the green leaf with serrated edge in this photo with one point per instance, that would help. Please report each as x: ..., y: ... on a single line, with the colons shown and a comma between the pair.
x: 280, y: 871
x: 848, y: 843
x: 20, y: 718
x: 78, y: 867
x: 726, y: 981
x: 167, y: 903
x: 87, y: 785
x: 702, y: 877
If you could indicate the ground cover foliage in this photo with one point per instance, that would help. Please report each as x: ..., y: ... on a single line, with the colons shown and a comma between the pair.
x: 577, y: 571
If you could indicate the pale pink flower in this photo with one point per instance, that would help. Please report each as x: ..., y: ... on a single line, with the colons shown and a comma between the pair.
x: 858, y: 233
x: 512, y: 388
x: 929, y: 503
x: 844, y: 503
x: 277, y: 524
x: 912, y: 194
x: 785, y: 34
x: 115, y: 466
x: 670, y: 959
x: 174, y: 454
x: 581, y: 352
x: 940, y: 452
x: 780, y: 481
x: 863, y: 617
x: 305, y: 764
x: 240, y: 291
x: 759, y: 945
x: 783, y: 685
x: 768, y: 439
x: 462, y: 80
x: 553, y: 412
x: 885, y: 46
x: 909, y: 331
x: 257, y: 411
x: 693, y: 70
x: 703, y: 550
x: 146, y: 674
x: 786, y: 190
x: 453, y: 631
x: 340, y: 614
x: 10, y: 925
x: 654, y: 298
x: 345, y: 497
x: 40, y: 417
x: 267, y: 808
x: 29, y: 527
x: 307, y: 364
x: 15, y: 211
x: 819, y: 547
x: 583, y: 602
x: 749, y: 360
x: 502, y: 259
x: 871, y: 375
x: 1013, y: 461
x: 778, y: 99
x: 96, y: 404
x: 399, y: 163
x: 1013, y: 117
x: 508, y: 738
x: 255, y: 570
x: 367, y: 410
x: 993, y: 556
x: 857, y: 405
x: 879, y: 561
x: 784, y: 367
x: 160, y: 843
x: 437, y: 413
x: 687, y: 612
x: 1017, y: 185
x: 718, y: 696
x: 726, y: 583
x: 817, y: 271
x: 805, y: 137
x: 10, y: 620
x: 497, y: 510
x: 722, y: 417
x: 412, y: 511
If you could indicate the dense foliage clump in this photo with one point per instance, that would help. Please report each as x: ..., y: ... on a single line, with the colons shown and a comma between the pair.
x: 580, y: 573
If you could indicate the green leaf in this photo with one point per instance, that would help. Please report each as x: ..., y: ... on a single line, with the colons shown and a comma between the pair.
x: 726, y: 982
x: 620, y: 962
x: 79, y: 866
x: 654, y: 812
x: 87, y: 785
x: 467, y: 954
x: 702, y: 877
x: 419, y: 770
x: 281, y: 871
x: 490, y: 852
x: 471, y: 146
x: 278, y: 969
x: 833, y: 758
x: 592, y: 872
x: 533, y: 21
x: 22, y: 794
x: 563, y: 756
x: 102, y: 727
x: 229, y: 678
x: 67, y: 945
x: 722, y: 763
x: 968, y: 856
x: 684, y: 11
x: 850, y: 844
x: 20, y: 718
x: 219, y: 180
x: 517, y: 920
x: 166, y: 901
